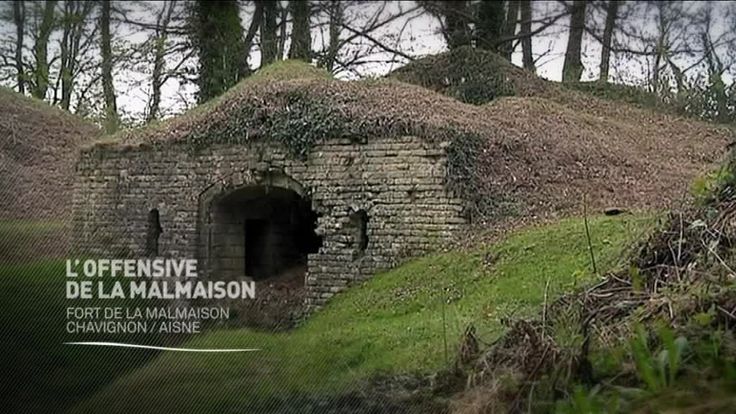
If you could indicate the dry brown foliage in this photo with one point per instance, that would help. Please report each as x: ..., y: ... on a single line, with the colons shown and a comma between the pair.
x: 38, y: 146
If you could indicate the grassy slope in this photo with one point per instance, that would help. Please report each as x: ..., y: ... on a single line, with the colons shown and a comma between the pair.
x: 46, y: 375
x: 391, y: 324
x: 21, y: 239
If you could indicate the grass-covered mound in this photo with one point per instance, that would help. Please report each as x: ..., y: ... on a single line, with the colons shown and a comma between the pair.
x: 515, y: 156
x: 38, y: 145
x: 631, y: 95
x: 477, y: 76
x: 289, y: 70
x: 472, y: 76
x: 395, y: 323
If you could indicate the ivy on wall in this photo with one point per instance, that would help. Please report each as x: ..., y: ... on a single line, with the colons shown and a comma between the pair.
x: 299, y: 123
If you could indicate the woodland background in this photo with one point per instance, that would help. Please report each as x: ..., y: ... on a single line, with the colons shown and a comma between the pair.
x: 127, y: 63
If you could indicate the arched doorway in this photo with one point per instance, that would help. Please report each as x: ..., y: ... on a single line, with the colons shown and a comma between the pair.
x: 259, y: 225
x: 262, y: 232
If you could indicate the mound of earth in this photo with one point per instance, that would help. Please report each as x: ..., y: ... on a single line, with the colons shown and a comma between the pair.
x: 476, y: 76
x: 473, y: 76
x: 38, y: 145
x: 525, y: 156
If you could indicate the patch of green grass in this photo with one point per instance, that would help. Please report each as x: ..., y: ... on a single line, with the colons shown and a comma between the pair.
x: 24, y: 239
x: 43, y: 375
x: 391, y: 324
x: 19, y: 227
x: 715, y: 185
x: 288, y: 70
x: 623, y: 93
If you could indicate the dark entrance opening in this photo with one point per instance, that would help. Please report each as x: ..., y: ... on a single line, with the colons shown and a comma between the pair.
x: 359, y: 225
x: 264, y: 233
x: 256, y: 238
x: 153, y: 231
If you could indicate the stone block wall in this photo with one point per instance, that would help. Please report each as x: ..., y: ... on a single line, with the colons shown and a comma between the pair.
x: 398, y: 182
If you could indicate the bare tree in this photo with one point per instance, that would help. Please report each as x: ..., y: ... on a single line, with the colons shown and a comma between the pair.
x: 74, y: 42
x: 716, y: 68
x: 525, y: 7
x: 283, y: 22
x: 159, y: 54
x: 111, y: 110
x: 19, y: 12
x: 255, y: 25
x: 301, y: 39
x: 611, y: 15
x: 40, y: 51
x: 532, y: 23
x: 335, y: 12
x: 509, y: 28
x: 269, y: 41
x: 353, y: 36
x: 572, y: 68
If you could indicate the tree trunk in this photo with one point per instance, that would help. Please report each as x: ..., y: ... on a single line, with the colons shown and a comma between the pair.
x: 509, y: 28
x: 19, y: 17
x: 572, y: 69
x: 489, y: 25
x: 108, y: 90
x: 74, y: 16
x: 525, y: 8
x: 660, y: 51
x: 159, y: 63
x: 457, y: 27
x: 65, y: 71
x: 40, y: 51
x: 328, y: 60
x: 301, y: 39
x: 218, y: 39
x: 283, y: 18
x: 269, y: 43
x: 611, y: 14
x: 253, y: 28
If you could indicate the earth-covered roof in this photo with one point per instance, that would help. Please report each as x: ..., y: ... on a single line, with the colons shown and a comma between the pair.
x: 534, y: 149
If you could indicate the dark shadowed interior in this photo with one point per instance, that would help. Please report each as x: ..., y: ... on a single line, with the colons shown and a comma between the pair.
x: 264, y: 233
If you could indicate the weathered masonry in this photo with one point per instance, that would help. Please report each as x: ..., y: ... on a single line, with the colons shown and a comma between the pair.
x: 336, y: 216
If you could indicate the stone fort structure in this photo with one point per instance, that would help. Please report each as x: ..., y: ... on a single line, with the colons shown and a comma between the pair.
x: 316, y: 183
x: 345, y: 211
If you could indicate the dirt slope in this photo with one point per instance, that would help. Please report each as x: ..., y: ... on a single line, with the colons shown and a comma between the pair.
x: 38, y: 144
x: 616, y: 154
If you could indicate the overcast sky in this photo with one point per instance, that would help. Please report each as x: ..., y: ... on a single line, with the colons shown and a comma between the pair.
x: 420, y: 36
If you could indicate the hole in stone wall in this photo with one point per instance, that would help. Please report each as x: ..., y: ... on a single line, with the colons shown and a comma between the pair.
x: 359, y: 222
x: 153, y: 231
x: 264, y: 233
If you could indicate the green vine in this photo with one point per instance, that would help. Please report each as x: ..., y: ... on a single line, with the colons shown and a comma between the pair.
x: 467, y: 180
x: 299, y: 122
